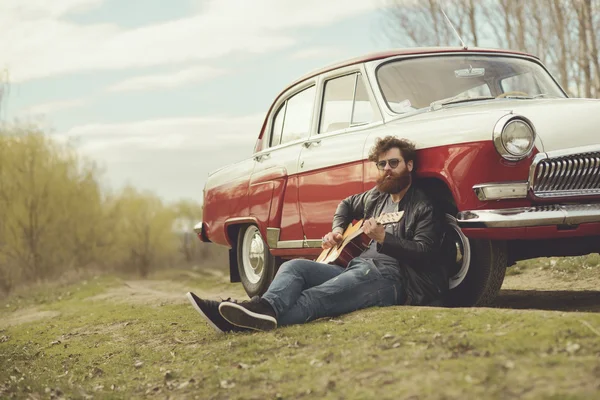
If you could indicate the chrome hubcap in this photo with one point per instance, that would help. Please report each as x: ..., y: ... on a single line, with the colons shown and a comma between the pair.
x: 462, y: 250
x: 253, y: 251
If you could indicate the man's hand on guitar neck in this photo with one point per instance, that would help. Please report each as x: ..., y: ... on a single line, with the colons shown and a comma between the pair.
x: 374, y: 230
x: 331, y: 239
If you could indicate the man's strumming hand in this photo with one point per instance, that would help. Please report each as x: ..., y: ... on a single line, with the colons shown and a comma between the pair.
x: 331, y: 239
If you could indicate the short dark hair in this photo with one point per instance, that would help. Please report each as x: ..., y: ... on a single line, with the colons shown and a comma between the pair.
x: 382, y: 145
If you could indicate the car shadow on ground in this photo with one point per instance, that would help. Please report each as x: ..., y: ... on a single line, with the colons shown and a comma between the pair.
x: 553, y: 300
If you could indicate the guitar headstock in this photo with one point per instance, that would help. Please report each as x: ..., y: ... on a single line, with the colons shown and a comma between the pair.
x: 390, y: 218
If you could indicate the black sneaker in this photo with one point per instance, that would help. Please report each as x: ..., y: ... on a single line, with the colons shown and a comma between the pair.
x: 256, y: 314
x: 209, y: 309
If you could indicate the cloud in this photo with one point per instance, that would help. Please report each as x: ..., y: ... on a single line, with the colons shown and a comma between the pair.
x: 167, y: 81
x: 43, y: 42
x: 201, y: 133
x: 170, y: 156
x: 34, y: 9
x: 52, y: 107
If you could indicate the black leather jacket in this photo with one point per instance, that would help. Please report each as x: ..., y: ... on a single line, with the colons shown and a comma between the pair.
x: 415, y: 243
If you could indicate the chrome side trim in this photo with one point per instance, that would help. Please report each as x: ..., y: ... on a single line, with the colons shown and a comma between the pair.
x: 313, y: 243
x: 290, y: 244
x: 573, y: 214
x: 299, y: 244
x: 274, y: 242
x: 501, y: 190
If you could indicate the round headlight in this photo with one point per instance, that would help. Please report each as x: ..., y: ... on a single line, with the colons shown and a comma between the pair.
x: 514, y: 137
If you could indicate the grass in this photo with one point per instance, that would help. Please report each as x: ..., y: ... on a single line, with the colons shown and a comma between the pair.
x: 102, y: 344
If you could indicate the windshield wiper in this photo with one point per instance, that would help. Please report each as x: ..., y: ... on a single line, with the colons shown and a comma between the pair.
x: 537, y: 96
x: 436, y: 105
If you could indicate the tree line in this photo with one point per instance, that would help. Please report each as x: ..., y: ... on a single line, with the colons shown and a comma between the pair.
x: 56, y: 217
x: 562, y: 33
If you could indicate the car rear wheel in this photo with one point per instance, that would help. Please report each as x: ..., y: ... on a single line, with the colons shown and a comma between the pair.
x: 256, y: 265
x: 476, y: 267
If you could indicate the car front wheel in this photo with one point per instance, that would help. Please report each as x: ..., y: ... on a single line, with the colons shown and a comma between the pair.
x: 256, y: 265
x: 476, y: 267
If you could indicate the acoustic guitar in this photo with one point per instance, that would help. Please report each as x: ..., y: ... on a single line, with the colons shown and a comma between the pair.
x: 353, y: 242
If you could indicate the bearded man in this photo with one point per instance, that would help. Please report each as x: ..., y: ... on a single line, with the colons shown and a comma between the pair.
x: 400, y: 266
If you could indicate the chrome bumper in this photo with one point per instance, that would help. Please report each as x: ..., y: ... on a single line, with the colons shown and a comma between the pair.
x: 572, y: 214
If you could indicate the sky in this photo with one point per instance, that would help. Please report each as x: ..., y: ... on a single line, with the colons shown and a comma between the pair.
x: 160, y: 93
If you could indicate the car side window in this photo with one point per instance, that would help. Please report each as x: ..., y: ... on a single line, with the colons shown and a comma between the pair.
x: 363, y: 111
x: 345, y: 104
x: 336, y: 111
x: 278, y: 125
x: 297, y: 116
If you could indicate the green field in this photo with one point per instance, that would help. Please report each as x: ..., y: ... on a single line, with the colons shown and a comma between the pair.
x: 112, y: 337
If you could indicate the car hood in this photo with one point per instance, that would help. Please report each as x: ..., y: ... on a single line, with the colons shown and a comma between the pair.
x: 559, y: 123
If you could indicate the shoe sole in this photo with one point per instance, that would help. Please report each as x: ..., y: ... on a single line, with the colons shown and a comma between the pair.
x: 239, y: 316
x: 191, y: 299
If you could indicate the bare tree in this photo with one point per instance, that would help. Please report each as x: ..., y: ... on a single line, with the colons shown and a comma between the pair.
x: 473, y: 22
x: 590, y: 27
x: 562, y: 33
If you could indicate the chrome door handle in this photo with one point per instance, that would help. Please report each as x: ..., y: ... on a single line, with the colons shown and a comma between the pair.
x: 312, y: 143
x: 262, y: 157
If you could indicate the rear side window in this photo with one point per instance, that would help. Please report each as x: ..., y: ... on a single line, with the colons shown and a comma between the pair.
x: 345, y: 104
x: 293, y: 118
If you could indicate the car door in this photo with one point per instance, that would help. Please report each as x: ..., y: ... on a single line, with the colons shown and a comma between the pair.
x: 330, y: 164
x: 273, y: 197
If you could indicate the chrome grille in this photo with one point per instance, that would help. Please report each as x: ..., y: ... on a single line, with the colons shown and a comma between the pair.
x: 570, y: 175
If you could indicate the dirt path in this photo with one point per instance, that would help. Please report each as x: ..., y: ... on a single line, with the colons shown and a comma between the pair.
x: 26, y: 315
x: 148, y: 292
x: 534, y: 279
x: 536, y: 289
x: 152, y: 292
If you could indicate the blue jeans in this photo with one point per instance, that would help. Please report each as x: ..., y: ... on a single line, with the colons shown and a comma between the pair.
x: 305, y: 290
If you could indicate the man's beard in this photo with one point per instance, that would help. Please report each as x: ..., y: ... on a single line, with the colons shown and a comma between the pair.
x: 395, y: 184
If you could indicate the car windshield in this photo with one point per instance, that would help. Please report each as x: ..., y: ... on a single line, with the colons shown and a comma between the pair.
x: 418, y: 83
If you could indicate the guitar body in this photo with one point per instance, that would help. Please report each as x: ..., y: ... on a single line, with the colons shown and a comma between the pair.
x: 353, y: 242
x: 352, y: 250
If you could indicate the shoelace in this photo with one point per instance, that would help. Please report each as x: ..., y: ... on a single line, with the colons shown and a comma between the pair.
x: 229, y: 299
x: 254, y: 299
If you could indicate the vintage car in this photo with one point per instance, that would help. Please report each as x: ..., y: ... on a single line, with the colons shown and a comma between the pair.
x: 513, y: 162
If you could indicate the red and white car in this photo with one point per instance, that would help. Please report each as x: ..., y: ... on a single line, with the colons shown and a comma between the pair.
x: 513, y: 161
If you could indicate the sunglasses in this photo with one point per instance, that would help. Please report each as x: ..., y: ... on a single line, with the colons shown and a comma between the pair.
x: 393, y: 163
